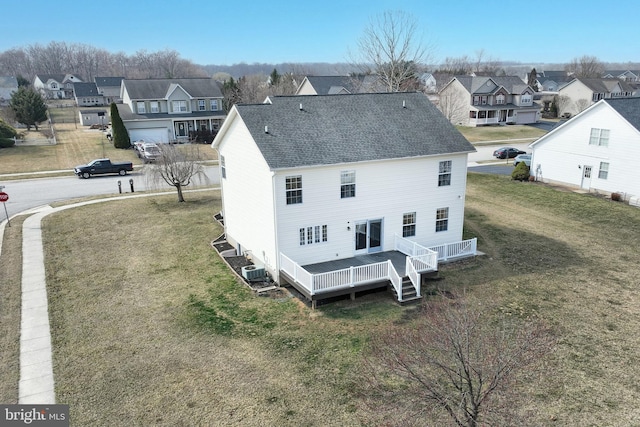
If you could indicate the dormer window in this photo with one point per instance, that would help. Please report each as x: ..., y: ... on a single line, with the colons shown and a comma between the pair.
x: 54, y: 85
x: 500, y: 99
x: 526, y: 98
x: 179, y: 106
x: 140, y: 106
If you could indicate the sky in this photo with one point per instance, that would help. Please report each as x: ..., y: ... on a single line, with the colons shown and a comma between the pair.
x: 227, y: 32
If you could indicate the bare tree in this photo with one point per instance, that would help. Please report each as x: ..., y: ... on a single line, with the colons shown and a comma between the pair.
x: 585, y: 67
x: 456, y: 65
x: 391, y: 50
x: 458, y: 362
x: 581, y: 105
x: 562, y: 104
x: 453, y: 106
x: 177, y: 166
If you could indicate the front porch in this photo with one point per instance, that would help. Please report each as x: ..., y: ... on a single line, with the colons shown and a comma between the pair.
x: 402, y: 268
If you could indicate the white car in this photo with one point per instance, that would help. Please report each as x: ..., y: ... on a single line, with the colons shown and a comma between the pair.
x: 526, y: 158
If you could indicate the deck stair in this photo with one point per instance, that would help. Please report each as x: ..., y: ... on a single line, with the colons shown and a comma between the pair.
x: 409, y: 295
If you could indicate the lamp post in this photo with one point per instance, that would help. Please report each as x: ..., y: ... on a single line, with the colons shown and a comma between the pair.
x: 101, y: 115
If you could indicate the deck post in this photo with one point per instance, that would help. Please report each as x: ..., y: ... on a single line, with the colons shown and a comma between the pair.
x: 353, y: 296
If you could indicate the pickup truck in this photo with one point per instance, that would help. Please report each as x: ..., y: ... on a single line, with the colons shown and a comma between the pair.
x: 102, y: 166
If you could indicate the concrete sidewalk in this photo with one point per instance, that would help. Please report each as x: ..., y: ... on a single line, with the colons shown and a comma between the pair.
x: 36, y: 364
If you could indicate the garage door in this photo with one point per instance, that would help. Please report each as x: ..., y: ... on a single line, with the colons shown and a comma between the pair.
x: 156, y: 135
x: 524, y: 118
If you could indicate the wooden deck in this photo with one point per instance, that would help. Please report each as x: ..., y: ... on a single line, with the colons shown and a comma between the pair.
x: 396, y: 257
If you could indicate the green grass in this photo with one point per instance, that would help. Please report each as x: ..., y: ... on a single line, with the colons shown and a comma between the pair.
x: 150, y: 326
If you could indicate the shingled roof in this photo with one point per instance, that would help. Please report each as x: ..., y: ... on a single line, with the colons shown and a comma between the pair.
x: 159, y: 88
x: 83, y: 90
x: 629, y: 108
x: 477, y: 85
x: 295, y: 131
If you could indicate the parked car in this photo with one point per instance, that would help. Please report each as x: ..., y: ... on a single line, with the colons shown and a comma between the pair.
x: 526, y: 158
x: 102, y: 166
x: 149, y: 152
x: 507, y: 152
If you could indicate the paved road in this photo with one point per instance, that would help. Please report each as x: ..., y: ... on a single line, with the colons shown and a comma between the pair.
x: 27, y: 194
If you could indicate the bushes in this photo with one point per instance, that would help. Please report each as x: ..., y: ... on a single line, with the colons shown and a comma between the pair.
x: 521, y: 172
x: 6, y: 135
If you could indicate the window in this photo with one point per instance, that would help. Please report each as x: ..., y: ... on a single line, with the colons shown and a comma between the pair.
x: 409, y: 224
x: 201, y: 105
x: 500, y: 99
x: 154, y: 107
x: 442, y: 219
x: 294, y: 189
x: 476, y: 100
x: 347, y: 184
x: 599, y: 137
x: 214, y: 105
x: 444, y: 173
x: 141, y: 109
x: 483, y: 100
x: 179, y: 106
x: 54, y: 86
x: 526, y: 98
x: 311, y: 235
x: 603, y: 173
x: 223, y: 167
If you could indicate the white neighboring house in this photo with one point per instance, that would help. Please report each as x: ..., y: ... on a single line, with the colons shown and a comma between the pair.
x: 8, y: 85
x: 309, y: 183
x: 581, y: 93
x: 55, y: 86
x: 597, y: 150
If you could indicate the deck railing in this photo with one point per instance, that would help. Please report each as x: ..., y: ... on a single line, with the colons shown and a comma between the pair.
x: 461, y: 249
x: 346, y: 277
x: 419, y: 259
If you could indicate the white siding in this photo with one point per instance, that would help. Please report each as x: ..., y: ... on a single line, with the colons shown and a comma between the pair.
x: 576, y: 91
x: 247, y: 197
x: 384, y: 190
x: 306, y: 89
x: 561, y: 152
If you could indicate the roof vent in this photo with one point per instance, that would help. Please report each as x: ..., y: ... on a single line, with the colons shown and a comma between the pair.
x: 266, y: 129
x: 301, y: 107
x: 404, y: 104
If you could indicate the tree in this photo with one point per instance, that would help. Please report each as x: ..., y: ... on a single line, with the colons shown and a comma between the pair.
x: 28, y: 106
x: 231, y: 93
x: 532, y: 79
x: 453, y: 106
x: 586, y: 67
x: 119, y: 133
x: 390, y: 45
x: 581, y: 105
x: 176, y: 167
x: 458, y: 361
x: 7, y: 133
x: 520, y: 172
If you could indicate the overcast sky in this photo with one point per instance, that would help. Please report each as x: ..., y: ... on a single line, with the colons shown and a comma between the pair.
x: 226, y: 32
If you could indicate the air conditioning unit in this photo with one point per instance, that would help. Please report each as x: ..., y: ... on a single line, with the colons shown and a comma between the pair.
x: 252, y: 272
x: 634, y: 201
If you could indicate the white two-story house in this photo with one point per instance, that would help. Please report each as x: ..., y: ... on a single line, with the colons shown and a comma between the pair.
x: 597, y: 150
x: 170, y: 110
x: 477, y: 101
x: 323, y: 191
x: 55, y: 86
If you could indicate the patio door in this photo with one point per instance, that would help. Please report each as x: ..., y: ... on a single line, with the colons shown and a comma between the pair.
x: 368, y: 236
x: 586, y: 177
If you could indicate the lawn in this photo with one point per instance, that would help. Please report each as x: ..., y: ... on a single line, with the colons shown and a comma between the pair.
x: 500, y: 133
x: 156, y: 331
x: 76, y: 145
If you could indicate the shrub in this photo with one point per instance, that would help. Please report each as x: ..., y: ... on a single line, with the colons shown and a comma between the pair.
x: 521, y: 172
x: 616, y: 197
x: 6, y: 143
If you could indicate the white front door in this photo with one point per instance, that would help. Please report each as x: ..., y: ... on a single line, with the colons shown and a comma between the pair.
x: 368, y: 236
x: 586, y: 177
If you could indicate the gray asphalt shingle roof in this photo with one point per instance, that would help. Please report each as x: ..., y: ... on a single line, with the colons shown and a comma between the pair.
x: 629, y: 108
x: 82, y: 90
x: 158, y: 88
x: 336, y: 129
x: 481, y: 84
x: 108, y: 81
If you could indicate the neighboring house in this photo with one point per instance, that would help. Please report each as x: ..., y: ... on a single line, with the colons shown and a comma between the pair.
x: 552, y: 81
x: 428, y: 81
x: 625, y: 75
x: 8, y: 85
x: 337, y: 85
x: 315, y: 186
x: 597, y: 150
x: 168, y: 110
x: 109, y: 88
x: 55, y: 86
x: 93, y: 117
x: 579, y: 94
x: 476, y: 101
x: 87, y: 95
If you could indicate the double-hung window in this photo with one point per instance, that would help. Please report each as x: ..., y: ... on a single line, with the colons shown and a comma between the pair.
x: 444, y: 173
x: 347, y: 184
x: 140, y: 107
x: 154, y: 107
x: 179, y: 106
x: 294, y: 189
x: 599, y: 137
x: 201, y: 105
x: 603, y: 173
x: 214, y: 105
x: 315, y: 234
x: 409, y: 224
x: 223, y: 167
x: 442, y: 219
